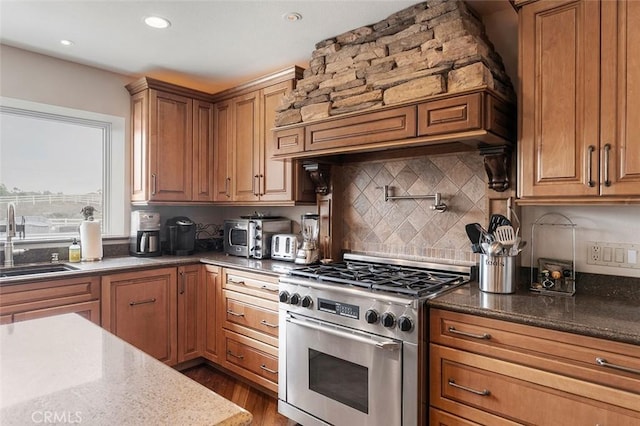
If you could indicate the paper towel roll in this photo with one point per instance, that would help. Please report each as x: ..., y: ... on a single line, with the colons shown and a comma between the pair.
x: 90, y: 240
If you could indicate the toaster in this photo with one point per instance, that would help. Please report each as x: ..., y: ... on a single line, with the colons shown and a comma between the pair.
x: 284, y: 247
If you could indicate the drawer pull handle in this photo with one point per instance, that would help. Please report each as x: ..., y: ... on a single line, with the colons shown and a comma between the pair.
x: 273, y: 290
x: 484, y: 392
x: 604, y: 363
x: 268, y: 324
x: 232, y: 281
x: 235, y: 314
x: 142, y: 302
x: 483, y: 336
x: 234, y: 355
x: 268, y: 370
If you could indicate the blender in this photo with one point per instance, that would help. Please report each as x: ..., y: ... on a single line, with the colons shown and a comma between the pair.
x: 309, y: 228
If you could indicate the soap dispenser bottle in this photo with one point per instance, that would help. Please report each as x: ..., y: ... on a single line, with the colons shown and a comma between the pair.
x: 74, y: 251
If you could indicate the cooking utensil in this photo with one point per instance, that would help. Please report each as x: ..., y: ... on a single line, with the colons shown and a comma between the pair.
x: 474, y: 233
x: 495, y: 248
x: 497, y: 220
x: 505, y: 235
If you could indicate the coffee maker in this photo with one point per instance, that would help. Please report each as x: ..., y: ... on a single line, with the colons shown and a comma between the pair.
x: 144, y: 240
x: 309, y: 228
x: 181, y: 236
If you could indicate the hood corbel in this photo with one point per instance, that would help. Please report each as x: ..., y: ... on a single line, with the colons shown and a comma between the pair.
x: 497, y: 164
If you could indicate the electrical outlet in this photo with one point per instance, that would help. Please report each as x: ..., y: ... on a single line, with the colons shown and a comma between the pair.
x: 594, y: 254
x: 619, y: 255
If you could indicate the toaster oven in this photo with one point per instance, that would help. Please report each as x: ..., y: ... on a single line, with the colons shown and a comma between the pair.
x: 251, y: 237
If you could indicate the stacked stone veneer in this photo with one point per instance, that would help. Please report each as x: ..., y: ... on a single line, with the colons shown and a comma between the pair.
x: 434, y: 47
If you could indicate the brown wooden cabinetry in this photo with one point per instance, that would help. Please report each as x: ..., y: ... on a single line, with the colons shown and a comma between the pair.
x: 579, y: 114
x: 46, y: 298
x: 245, y: 171
x: 250, y: 326
x: 172, y: 143
x: 213, y: 313
x: 496, y: 372
x: 191, y: 312
x: 140, y: 307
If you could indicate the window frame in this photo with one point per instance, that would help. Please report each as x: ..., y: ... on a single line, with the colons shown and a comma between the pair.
x: 113, y: 152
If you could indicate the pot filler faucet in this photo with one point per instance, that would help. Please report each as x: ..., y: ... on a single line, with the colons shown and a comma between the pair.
x: 9, y: 251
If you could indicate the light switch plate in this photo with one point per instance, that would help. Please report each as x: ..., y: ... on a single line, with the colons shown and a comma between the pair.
x: 619, y: 255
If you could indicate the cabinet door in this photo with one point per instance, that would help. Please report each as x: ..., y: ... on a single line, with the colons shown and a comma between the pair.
x: 275, y: 175
x: 202, y: 178
x: 212, y: 320
x: 620, y: 143
x: 246, y: 147
x: 140, y: 175
x: 170, y: 148
x: 191, y: 312
x: 222, y: 128
x: 140, y: 307
x: 559, y: 101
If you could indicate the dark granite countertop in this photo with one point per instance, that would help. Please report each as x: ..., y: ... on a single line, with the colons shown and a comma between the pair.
x: 612, y: 318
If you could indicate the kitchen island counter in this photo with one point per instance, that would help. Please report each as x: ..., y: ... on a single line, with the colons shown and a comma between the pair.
x: 65, y: 369
x: 612, y: 318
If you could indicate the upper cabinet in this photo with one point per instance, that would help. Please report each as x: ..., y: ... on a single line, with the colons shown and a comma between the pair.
x: 172, y: 143
x: 580, y: 77
x: 245, y: 171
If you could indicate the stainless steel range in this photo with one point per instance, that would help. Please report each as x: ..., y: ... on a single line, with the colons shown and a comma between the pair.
x: 349, y: 336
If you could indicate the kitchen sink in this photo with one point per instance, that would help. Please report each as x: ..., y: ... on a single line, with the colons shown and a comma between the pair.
x: 18, y: 271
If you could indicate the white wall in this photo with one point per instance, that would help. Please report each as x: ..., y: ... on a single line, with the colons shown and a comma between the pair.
x: 619, y: 224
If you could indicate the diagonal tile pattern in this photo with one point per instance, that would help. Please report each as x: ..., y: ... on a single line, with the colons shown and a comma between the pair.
x: 409, y: 228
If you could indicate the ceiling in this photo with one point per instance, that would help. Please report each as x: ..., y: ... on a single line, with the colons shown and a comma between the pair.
x: 211, y: 43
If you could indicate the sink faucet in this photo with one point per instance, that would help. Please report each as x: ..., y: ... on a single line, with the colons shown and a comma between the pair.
x: 9, y: 251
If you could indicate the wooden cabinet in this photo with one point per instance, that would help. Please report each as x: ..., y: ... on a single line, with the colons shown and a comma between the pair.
x: 140, y: 307
x: 172, y: 143
x: 47, y: 298
x: 191, y: 312
x: 250, y: 326
x: 244, y: 145
x: 213, y: 313
x: 490, y: 371
x: 578, y: 121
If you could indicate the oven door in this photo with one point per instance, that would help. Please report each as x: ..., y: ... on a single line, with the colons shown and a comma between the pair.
x: 236, y: 238
x: 343, y: 376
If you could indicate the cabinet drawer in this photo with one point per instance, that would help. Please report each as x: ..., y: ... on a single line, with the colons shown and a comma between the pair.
x: 457, y: 114
x: 252, y: 317
x: 556, y: 351
x: 253, y: 360
x: 47, y: 294
x: 288, y: 141
x: 88, y: 310
x: 372, y: 128
x: 442, y: 418
x: 259, y: 285
x: 479, y: 388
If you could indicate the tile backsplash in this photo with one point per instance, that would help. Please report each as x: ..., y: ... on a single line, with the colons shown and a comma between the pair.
x: 409, y: 228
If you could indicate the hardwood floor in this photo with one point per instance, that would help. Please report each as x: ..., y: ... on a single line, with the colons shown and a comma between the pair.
x: 263, y: 407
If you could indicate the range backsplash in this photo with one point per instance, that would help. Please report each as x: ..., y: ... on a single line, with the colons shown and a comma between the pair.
x: 409, y: 228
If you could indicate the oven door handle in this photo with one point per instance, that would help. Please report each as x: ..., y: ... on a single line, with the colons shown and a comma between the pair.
x: 384, y: 344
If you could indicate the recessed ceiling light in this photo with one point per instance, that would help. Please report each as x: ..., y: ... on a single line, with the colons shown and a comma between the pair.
x: 292, y: 16
x: 66, y: 42
x: 157, y: 22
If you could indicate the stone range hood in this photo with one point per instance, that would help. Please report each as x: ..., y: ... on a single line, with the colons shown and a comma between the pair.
x: 425, y: 76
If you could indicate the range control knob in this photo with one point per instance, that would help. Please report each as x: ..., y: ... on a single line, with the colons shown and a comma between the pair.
x: 371, y: 316
x: 284, y: 296
x: 405, y: 323
x: 307, y: 301
x: 295, y: 299
x: 388, y: 319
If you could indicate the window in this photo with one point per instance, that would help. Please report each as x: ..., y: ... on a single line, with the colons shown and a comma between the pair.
x: 53, y: 162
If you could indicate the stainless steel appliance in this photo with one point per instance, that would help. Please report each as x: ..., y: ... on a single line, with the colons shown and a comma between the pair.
x: 145, y: 234
x: 181, y: 236
x: 250, y: 236
x: 309, y: 228
x: 284, y: 247
x: 349, y: 339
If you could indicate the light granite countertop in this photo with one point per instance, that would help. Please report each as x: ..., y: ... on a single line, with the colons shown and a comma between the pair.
x: 65, y: 369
